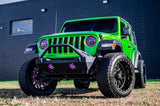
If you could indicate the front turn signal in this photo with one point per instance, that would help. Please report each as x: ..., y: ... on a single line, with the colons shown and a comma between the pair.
x: 113, y: 44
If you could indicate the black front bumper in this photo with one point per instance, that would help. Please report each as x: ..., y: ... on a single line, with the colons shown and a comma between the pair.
x: 76, y: 65
x: 73, y: 68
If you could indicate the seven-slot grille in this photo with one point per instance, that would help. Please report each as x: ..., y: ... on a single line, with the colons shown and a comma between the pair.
x: 77, y: 42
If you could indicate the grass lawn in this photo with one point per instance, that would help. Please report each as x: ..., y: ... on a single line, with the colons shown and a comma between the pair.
x: 67, y: 95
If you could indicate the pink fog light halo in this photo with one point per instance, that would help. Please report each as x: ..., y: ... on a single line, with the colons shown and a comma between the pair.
x: 72, y: 66
x: 50, y: 66
x: 91, y: 41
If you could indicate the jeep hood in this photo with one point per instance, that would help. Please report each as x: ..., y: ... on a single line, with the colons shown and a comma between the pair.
x: 109, y: 36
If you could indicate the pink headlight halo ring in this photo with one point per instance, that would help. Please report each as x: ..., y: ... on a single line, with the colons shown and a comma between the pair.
x: 43, y: 44
x: 91, y: 41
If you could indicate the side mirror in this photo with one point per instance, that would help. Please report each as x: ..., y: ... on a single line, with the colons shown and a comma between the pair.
x: 127, y: 31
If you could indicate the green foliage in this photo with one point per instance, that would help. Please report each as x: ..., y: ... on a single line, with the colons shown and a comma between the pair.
x: 13, y: 81
x: 153, y: 80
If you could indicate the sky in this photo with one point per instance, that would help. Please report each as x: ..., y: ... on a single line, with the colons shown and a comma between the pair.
x: 9, y: 1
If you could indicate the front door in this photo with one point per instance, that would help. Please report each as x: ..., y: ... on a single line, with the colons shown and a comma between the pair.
x: 127, y: 47
x: 126, y: 42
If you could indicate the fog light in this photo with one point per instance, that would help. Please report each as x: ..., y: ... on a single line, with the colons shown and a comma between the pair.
x: 72, y: 66
x: 50, y: 66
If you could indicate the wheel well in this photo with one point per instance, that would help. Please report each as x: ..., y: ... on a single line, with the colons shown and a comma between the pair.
x: 117, y: 49
x: 139, y: 58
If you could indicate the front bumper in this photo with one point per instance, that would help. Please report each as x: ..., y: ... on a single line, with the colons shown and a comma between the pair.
x: 65, y: 68
x: 75, y: 65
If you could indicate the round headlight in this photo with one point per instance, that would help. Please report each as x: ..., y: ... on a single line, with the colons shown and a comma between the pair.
x: 91, y: 41
x: 43, y: 44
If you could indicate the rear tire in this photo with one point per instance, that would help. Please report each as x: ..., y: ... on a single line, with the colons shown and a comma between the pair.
x: 31, y: 84
x: 81, y: 84
x: 141, y: 77
x: 115, y: 75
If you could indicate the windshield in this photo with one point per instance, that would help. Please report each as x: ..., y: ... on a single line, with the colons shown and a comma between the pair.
x: 99, y: 25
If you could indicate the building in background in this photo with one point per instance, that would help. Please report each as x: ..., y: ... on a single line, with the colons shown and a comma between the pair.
x: 22, y: 23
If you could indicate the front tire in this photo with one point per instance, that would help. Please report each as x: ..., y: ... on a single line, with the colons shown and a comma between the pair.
x: 115, y: 75
x: 30, y: 82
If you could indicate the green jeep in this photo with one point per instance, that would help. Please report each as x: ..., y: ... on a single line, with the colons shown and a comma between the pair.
x: 101, y: 49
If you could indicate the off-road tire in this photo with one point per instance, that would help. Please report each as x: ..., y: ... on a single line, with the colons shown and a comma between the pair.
x: 26, y: 82
x: 107, y: 75
x: 81, y: 84
x: 141, y: 77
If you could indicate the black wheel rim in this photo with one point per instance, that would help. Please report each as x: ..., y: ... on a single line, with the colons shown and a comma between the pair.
x: 120, y: 76
x: 37, y: 82
x: 123, y: 75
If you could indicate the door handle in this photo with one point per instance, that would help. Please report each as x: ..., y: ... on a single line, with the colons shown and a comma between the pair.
x: 129, y: 46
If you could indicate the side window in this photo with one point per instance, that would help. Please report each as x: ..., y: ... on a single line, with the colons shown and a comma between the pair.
x: 122, y: 27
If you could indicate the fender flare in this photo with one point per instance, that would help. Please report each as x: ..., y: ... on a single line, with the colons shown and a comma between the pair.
x: 118, y: 44
x: 137, y: 57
